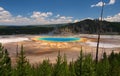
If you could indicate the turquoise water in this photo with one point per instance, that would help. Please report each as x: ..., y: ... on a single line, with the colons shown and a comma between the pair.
x: 59, y: 39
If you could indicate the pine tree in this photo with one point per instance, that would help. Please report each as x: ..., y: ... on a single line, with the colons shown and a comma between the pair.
x: 5, y: 62
x: 45, y: 69
x: 72, y: 69
x: 22, y: 64
x: 65, y: 67
x: 88, y: 67
x: 1, y: 59
x: 114, y: 64
x: 103, y: 66
x: 57, y: 67
x: 78, y: 64
x: 111, y: 57
x: 1, y: 50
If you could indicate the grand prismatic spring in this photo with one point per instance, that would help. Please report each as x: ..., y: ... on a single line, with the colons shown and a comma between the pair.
x: 59, y: 39
x: 59, y: 42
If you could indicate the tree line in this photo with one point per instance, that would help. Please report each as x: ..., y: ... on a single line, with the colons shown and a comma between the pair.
x: 83, y: 66
x: 13, y: 30
x: 86, y: 26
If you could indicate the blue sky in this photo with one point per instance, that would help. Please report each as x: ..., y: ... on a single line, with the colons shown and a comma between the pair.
x: 27, y: 12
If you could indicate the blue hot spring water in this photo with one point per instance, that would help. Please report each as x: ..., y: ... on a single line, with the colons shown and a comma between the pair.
x: 59, y: 39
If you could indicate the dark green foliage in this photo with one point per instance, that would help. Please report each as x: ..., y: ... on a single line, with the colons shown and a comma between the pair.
x: 61, y: 68
x: 45, y: 69
x: 65, y: 68
x: 78, y: 64
x: 88, y: 66
x: 5, y: 62
x: 72, y: 69
x: 57, y: 67
x: 83, y: 66
x: 9, y: 30
x: 114, y: 60
x: 22, y: 64
x: 103, y: 67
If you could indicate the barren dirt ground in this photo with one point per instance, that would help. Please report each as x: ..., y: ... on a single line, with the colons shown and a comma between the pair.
x: 36, y: 52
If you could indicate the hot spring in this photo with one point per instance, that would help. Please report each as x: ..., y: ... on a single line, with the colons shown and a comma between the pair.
x: 59, y: 39
x: 58, y: 42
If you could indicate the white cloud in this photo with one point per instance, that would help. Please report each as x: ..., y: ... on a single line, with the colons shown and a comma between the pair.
x: 6, y: 18
x: 58, y: 15
x: 111, y: 2
x: 4, y: 14
x: 115, y: 18
x: 40, y: 14
x: 76, y: 20
x: 1, y: 9
x: 62, y: 19
x: 38, y: 18
x: 99, y: 4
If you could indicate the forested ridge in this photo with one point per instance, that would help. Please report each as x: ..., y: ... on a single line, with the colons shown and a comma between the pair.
x: 91, y: 27
x: 83, y: 66
x: 83, y: 27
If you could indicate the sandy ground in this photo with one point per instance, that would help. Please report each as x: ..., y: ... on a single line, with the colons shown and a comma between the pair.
x: 36, y: 52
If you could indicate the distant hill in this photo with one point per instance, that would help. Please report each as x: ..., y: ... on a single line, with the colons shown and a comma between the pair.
x: 83, y: 27
x: 91, y: 27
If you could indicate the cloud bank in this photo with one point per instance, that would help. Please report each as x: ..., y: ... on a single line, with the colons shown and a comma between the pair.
x: 6, y: 18
x: 115, y: 18
x: 99, y: 4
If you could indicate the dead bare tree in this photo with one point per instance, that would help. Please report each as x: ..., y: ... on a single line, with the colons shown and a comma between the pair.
x: 99, y: 32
